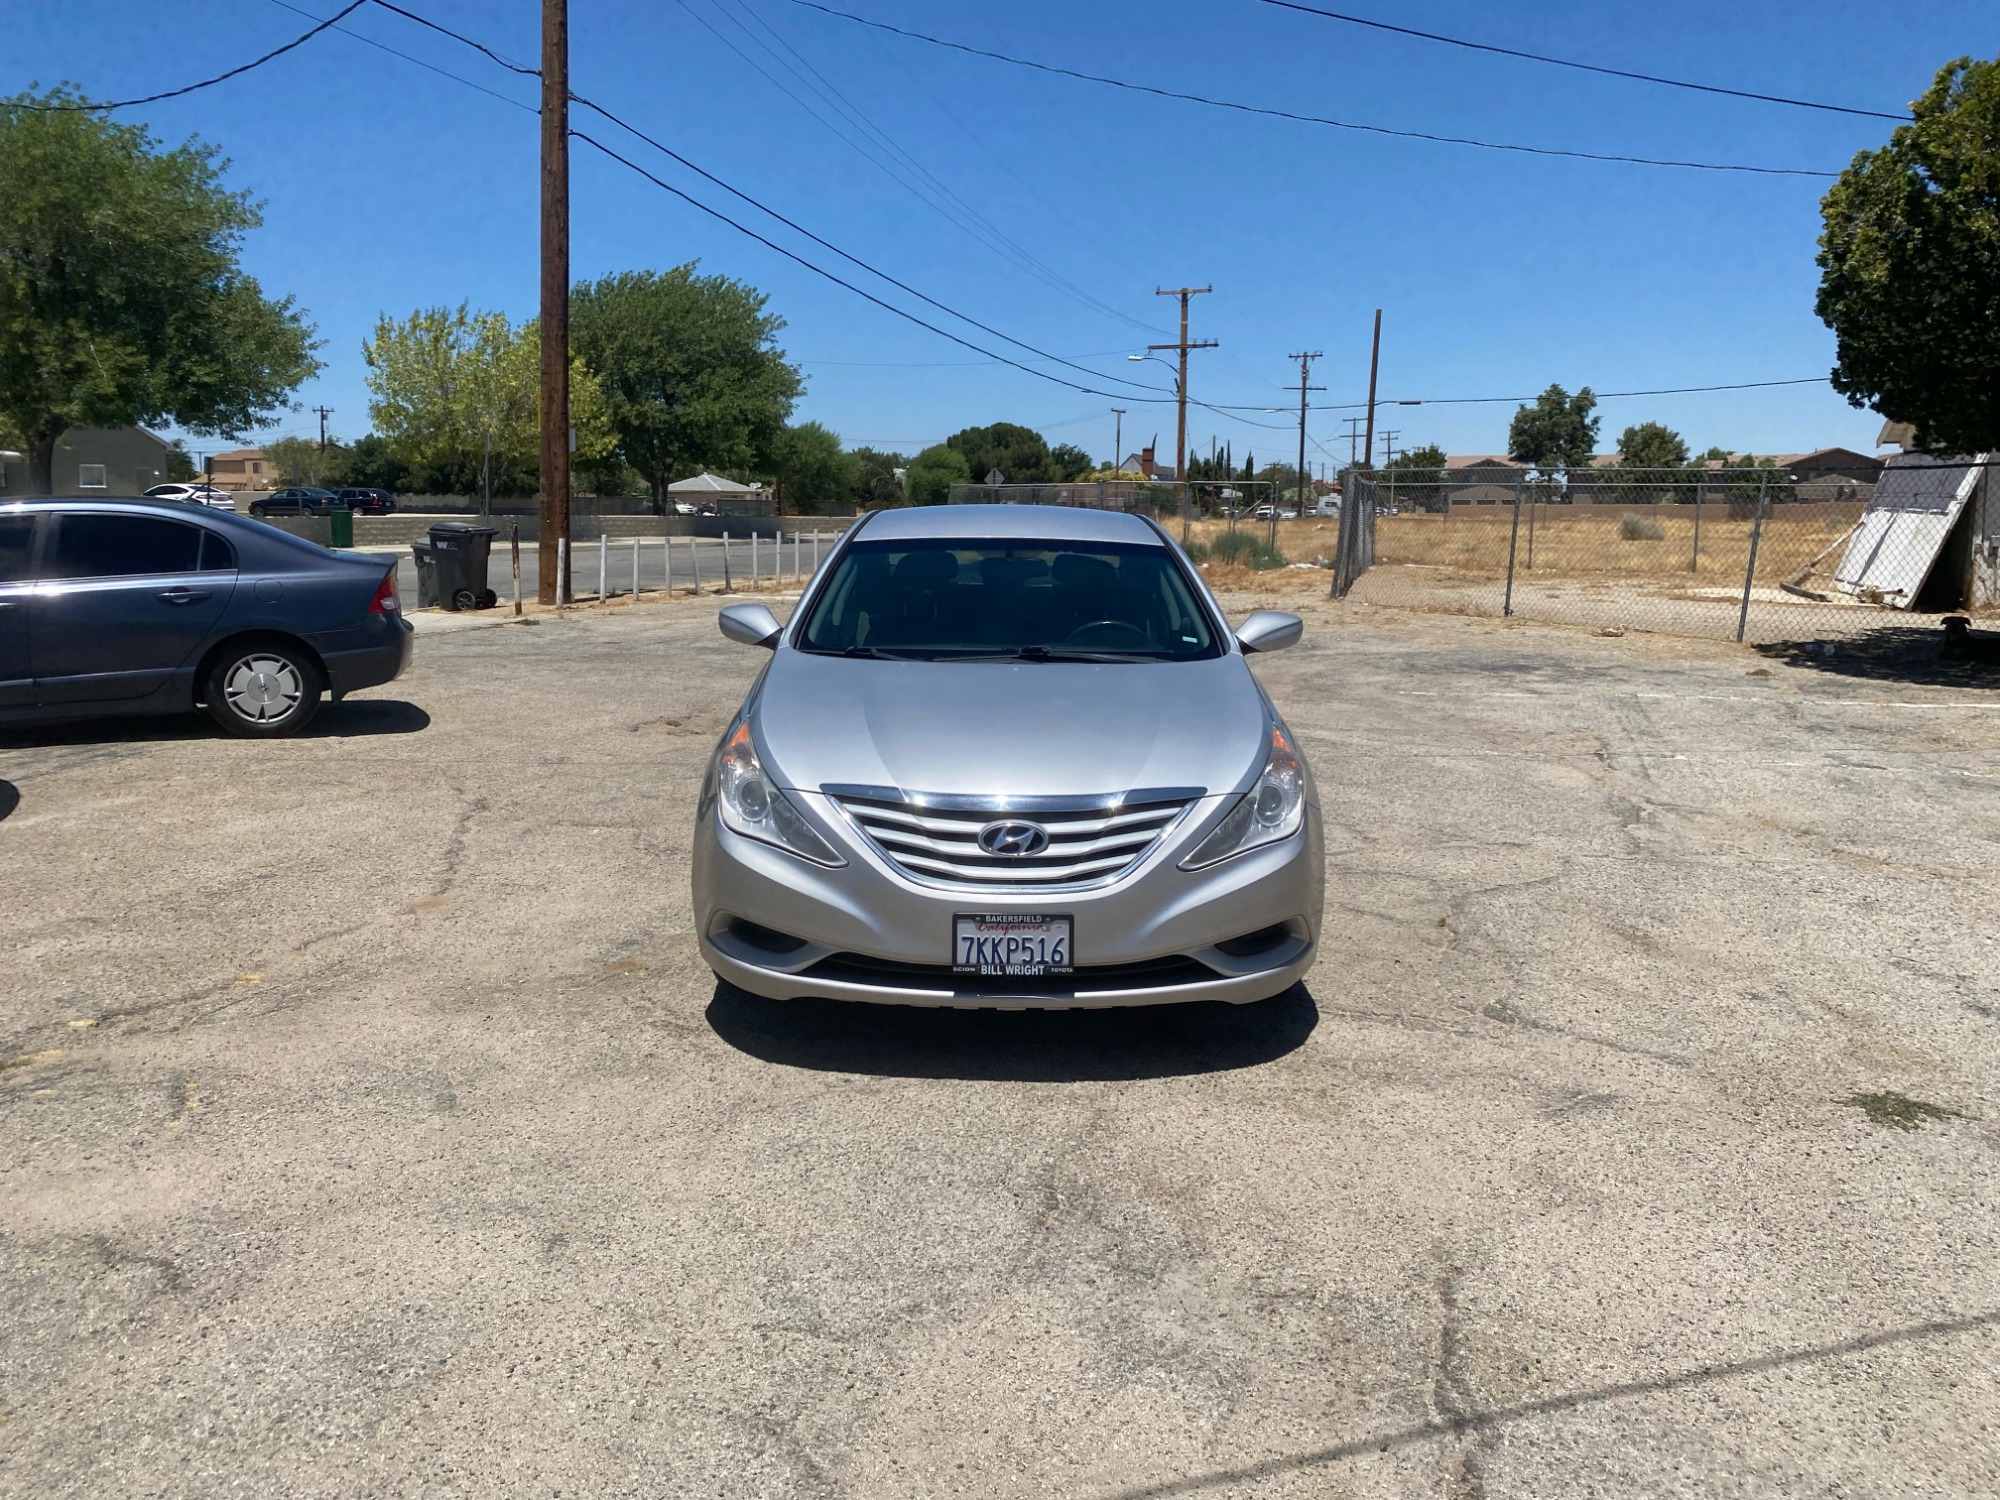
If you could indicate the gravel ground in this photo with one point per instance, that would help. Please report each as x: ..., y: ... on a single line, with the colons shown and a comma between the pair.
x: 371, y: 1127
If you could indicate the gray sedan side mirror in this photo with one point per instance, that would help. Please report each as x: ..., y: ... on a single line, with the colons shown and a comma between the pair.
x: 751, y: 624
x: 1269, y: 630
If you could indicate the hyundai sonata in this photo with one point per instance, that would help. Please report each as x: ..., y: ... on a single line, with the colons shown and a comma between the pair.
x: 1008, y: 756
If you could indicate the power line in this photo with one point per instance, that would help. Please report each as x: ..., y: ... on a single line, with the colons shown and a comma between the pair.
x: 409, y: 58
x: 855, y: 260
x: 1304, y: 119
x: 206, y: 83
x: 1583, y: 67
x: 708, y: 176
x: 818, y: 270
x: 976, y: 223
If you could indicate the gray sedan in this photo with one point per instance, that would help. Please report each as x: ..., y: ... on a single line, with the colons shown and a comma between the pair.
x: 154, y: 606
x: 1008, y: 756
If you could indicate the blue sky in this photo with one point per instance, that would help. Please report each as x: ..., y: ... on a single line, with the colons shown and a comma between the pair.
x: 388, y: 187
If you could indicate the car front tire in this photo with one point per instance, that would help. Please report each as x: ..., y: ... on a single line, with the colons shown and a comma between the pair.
x: 264, y: 689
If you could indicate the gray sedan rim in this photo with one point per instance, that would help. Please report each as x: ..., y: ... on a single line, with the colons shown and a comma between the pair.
x: 263, y: 689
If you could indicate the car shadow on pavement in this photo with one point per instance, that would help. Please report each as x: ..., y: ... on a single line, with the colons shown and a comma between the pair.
x: 10, y: 798
x: 1901, y: 653
x: 336, y: 721
x: 1030, y: 1046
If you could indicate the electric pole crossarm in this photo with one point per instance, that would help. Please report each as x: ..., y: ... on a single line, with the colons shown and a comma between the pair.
x: 1180, y: 392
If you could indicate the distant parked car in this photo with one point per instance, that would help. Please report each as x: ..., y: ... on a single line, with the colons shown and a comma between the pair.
x: 298, y: 500
x: 193, y: 494
x: 1266, y: 512
x: 369, y: 502
x: 156, y: 606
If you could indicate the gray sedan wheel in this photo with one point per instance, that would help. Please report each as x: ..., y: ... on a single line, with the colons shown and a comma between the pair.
x: 263, y: 689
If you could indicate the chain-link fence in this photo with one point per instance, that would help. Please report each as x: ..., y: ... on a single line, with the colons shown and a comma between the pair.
x: 1741, y: 551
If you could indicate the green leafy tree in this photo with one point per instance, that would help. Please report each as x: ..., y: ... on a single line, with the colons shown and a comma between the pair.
x: 180, y: 463
x: 814, y: 473
x: 1250, y: 466
x: 1910, y: 267
x: 1652, y: 464
x: 1415, y: 479
x: 933, y: 472
x: 122, y: 302
x: 1651, y: 445
x: 1557, y: 432
x: 692, y: 374
x: 457, y: 394
x: 371, y: 462
x: 1068, y: 462
x: 875, y: 481
x: 1020, y: 453
x: 301, y: 461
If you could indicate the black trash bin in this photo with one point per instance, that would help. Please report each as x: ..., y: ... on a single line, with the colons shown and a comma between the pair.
x: 427, y: 573
x: 461, y: 550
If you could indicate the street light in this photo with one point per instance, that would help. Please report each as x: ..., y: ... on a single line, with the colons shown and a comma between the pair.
x: 1187, y: 499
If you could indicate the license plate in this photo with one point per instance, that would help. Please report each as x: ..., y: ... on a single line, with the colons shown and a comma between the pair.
x: 1010, y: 945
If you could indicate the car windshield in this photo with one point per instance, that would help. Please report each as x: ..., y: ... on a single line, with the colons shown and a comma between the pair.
x: 954, y: 599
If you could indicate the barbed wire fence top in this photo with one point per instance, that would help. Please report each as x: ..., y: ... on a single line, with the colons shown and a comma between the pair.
x: 1738, y: 550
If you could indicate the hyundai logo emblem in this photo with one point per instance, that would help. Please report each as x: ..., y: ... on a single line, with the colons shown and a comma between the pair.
x: 1013, y: 840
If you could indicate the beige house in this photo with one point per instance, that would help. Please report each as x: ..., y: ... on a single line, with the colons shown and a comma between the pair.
x: 243, y: 469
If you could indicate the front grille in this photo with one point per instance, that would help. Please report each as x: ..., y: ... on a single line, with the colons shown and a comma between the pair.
x: 1091, y: 840
x: 1088, y: 979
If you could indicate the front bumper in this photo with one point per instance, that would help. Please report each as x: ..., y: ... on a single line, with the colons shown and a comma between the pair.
x: 867, y: 932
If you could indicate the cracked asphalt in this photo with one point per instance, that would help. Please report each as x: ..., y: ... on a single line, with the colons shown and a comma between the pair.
x: 369, y: 1126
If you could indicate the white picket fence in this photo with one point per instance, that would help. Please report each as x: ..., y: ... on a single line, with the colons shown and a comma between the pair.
x: 707, y: 564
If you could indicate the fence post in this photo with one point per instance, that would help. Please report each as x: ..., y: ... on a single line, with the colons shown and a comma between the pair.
x: 798, y: 557
x: 603, y: 566
x: 694, y: 561
x: 1750, y: 572
x: 1513, y: 537
x: 753, y: 559
x: 562, y: 570
x: 516, y: 541
x: 727, y: 586
x: 1694, y: 558
x: 635, y: 569
x: 1533, y: 505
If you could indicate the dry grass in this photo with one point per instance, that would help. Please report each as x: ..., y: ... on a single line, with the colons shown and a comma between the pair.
x: 1590, y: 542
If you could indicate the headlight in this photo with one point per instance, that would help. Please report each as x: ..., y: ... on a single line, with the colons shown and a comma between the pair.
x: 755, y: 808
x: 1271, y: 810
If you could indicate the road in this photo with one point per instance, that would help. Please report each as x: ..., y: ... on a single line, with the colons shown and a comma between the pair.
x: 369, y: 1125
x: 652, y: 557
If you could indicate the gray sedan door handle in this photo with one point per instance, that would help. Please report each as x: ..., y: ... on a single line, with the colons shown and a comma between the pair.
x: 179, y: 595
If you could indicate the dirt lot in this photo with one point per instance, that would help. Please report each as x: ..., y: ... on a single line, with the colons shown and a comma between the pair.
x: 371, y: 1128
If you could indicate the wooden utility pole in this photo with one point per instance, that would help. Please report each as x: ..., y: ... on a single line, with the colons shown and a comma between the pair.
x: 1118, y: 438
x: 324, y: 413
x: 555, y: 304
x: 1180, y: 389
x: 1374, y: 363
x: 1305, y: 375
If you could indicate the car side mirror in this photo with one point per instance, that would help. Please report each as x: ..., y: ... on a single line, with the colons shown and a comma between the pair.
x: 1269, y: 630
x: 750, y: 624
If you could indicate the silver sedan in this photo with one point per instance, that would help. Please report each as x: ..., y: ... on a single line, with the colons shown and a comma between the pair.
x: 1008, y: 756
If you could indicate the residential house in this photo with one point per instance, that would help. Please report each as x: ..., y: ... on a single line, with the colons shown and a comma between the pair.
x: 723, y: 497
x: 242, y: 469
x: 1142, y: 465
x: 97, y: 461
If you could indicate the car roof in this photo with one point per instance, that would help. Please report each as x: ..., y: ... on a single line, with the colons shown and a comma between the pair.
x: 1055, y: 523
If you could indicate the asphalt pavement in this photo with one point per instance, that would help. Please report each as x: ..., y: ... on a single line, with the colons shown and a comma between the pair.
x: 369, y: 1125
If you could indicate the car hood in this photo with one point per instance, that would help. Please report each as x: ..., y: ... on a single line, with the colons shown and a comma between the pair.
x: 1010, y: 728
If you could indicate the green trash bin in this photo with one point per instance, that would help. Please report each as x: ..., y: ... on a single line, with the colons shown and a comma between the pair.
x: 343, y: 528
